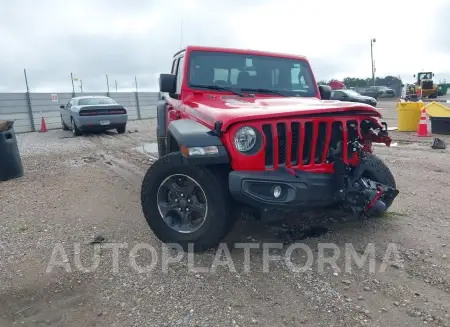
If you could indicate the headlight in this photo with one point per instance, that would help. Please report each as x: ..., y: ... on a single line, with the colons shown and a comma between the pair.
x: 245, y: 139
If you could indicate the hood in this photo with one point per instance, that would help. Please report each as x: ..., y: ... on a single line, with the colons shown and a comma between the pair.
x: 232, y: 109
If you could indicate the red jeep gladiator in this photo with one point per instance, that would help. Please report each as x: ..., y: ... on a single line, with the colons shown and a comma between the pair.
x: 249, y: 129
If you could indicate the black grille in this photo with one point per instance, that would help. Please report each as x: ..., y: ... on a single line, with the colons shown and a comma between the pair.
x: 427, y: 85
x: 306, y: 139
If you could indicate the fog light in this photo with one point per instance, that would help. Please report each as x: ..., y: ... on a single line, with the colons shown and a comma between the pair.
x: 277, y: 192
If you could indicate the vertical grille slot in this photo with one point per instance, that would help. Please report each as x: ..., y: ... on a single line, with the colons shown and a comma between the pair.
x: 281, y: 132
x: 352, y: 128
x: 295, y: 127
x: 320, y: 145
x: 267, y: 130
x: 307, y: 143
x: 337, y: 136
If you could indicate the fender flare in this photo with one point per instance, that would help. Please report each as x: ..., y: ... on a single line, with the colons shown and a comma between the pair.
x: 189, y: 133
x: 161, y: 119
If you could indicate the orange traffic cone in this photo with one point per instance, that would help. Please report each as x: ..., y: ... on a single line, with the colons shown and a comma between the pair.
x: 422, y: 127
x: 43, y: 125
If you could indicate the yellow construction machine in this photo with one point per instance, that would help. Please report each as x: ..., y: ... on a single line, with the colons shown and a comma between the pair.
x: 425, y: 83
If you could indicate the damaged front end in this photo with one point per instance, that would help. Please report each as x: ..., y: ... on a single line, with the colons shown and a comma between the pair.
x: 359, y: 188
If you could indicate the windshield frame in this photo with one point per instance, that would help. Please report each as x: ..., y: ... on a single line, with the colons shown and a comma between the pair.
x: 303, y: 63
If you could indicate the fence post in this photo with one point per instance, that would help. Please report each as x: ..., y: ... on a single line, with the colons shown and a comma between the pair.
x: 138, y: 107
x: 30, y: 109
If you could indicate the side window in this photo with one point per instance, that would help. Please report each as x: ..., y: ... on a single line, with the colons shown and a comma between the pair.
x: 234, y: 73
x: 295, y: 71
x: 333, y: 94
x: 220, y: 74
x: 180, y: 74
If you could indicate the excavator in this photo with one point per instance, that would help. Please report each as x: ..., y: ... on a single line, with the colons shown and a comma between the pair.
x: 425, y: 83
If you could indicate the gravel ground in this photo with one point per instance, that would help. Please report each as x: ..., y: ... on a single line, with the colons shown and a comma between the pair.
x: 79, y: 190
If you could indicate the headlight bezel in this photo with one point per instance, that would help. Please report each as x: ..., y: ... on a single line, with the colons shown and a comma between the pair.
x: 258, y: 140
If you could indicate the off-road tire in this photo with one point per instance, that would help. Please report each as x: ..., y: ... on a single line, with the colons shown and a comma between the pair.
x: 377, y: 171
x: 121, y: 129
x: 75, y: 130
x: 64, y: 126
x: 219, y: 218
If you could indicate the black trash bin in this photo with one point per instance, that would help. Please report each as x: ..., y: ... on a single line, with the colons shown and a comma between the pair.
x: 10, y: 162
x: 440, y: 125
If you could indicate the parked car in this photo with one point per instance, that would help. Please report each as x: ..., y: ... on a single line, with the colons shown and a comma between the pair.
x: 93, y: 113
x: 383, y: 91
x: 352, y: 96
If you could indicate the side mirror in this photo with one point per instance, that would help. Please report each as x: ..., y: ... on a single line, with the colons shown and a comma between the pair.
x: 433, y: 74
x: 414, y: 75
x: 167, y: 83
x: 325, y: 92
x: 62, y: 106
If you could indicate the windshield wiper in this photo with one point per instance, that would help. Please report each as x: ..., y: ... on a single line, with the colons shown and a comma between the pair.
x: 218, y: 87
x: 264, y: 91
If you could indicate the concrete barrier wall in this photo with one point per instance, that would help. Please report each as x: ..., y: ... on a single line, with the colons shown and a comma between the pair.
x: 27, y: 109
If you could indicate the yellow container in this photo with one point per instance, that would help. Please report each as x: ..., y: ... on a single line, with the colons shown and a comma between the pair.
x: 408, y: 116
x: 436, y: 109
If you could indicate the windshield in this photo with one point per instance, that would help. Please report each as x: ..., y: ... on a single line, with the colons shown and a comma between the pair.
x: 95, y: 101
x: 424, y: 76
x: 351, y: 92
x: 246, y: 72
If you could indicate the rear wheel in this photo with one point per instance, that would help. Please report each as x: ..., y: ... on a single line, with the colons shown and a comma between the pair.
x: 121, y: 129
x: 186, y: 204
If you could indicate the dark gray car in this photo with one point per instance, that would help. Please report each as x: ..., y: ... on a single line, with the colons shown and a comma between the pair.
x: 93, y: 113
x: 352, y: 96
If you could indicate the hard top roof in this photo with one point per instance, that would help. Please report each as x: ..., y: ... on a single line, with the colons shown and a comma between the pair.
x: 240, y: 51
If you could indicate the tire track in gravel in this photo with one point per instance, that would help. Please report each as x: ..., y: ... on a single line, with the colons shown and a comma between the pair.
x: 133, y: 174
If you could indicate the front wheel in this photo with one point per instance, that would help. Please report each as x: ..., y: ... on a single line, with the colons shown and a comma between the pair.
x: 64, y: 126
x: 377, y: 171
x: 75, y: 130
x: 186, y: 204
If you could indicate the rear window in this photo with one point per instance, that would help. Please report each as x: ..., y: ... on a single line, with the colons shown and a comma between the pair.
x: 95, y: 101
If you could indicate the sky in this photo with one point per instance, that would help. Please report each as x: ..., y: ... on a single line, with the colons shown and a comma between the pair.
x: 137, y: 38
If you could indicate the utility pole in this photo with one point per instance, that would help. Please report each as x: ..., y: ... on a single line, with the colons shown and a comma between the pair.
x: 135, y: 83
x: 81, y: 86
x: 107, y: 85
x: 372, y: 41
x: 181, y: 35
x: 73, y: 85
x: 115, y: 82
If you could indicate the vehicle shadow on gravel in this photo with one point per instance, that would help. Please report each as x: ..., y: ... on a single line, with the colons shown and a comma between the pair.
x: 304, y: 226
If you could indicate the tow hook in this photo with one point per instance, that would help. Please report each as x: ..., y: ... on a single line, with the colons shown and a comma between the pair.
x: 376, y: 204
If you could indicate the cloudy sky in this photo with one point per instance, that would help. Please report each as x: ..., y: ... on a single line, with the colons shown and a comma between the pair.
x: 124, y: 39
